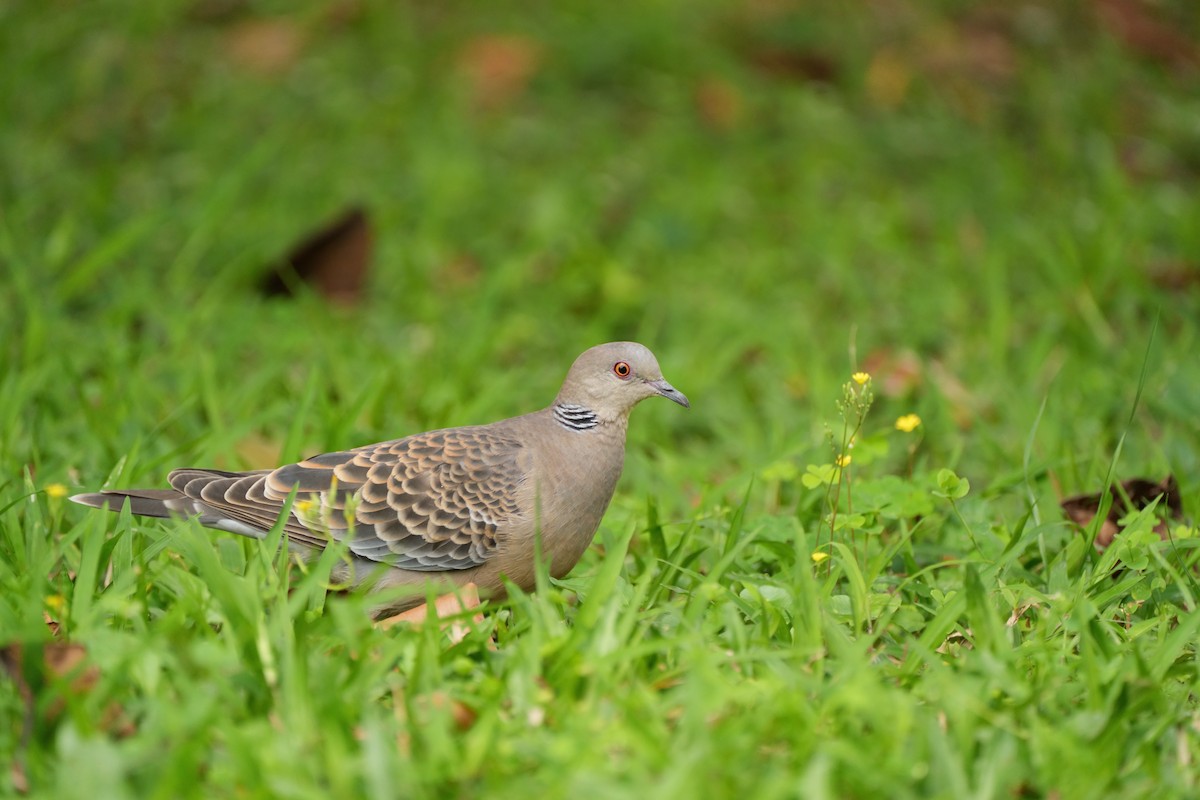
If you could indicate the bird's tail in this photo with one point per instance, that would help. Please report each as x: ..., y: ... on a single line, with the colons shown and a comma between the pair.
x: 163, y: 503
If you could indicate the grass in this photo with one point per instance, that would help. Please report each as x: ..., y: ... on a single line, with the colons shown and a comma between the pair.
x: 1010, y: 249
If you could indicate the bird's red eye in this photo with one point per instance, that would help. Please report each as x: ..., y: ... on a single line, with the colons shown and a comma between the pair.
x: 622, y: 369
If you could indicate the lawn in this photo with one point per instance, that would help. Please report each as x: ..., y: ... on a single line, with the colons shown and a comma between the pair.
x: 990, y: 209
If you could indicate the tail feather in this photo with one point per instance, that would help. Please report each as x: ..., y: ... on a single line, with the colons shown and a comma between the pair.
x: 164, y: 503
x: 169, y: 503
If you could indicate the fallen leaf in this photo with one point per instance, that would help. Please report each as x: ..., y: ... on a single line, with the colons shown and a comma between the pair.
x: 719, y: 104
x: 964, y: 406
x: 1135, y: 25
x: 459, y: 271
x: 334, y: 260
x: 340, y: 13
x: 956, y: 638
x: 265, y: 46
x: 888, y: 77
x: 1019, y: 611
x: 421, y: 707
x: 794, y: 64
x: 1175, y: 275
x: 463, y: 715
x: 974, y: 49
x: 895, y: 374
x: 215, y: 12
x: 968, y: 61
x: 1082, y: 509
x: 498, y: 68
x: 256, y: 451
x: 58, y: 661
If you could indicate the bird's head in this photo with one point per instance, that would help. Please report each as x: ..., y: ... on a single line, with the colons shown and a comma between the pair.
x: 610, y: 379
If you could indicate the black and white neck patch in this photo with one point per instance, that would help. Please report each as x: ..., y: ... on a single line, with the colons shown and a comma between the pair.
x: 576, y: 418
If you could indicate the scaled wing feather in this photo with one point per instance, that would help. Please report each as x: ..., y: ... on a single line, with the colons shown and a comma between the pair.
x: 429, y: 502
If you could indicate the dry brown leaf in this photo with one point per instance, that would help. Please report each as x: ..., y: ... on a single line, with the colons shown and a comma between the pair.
x: 1136, y: 26
x: 796, y: 65
x: 1019, y: 611
x: 972, y: 238
x: 256, y: 451
x: 334, y: 260
x: 59, y: 661
x: 341, y: 13
x: 977, y: 54
x: 961, y: 639
x: 1175, y: 275
x: 1141, y: 492
x: 719, y: 104
x: 463, y: 715
x: 889, y: 76
x: 422, y: 706
x: 499, y: 68
x: 459, y: 271
x: 265, y: 46
x: 895, y: 374
x: 964, y: 406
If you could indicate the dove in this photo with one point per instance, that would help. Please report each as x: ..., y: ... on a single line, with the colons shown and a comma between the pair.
x: 446, y: 508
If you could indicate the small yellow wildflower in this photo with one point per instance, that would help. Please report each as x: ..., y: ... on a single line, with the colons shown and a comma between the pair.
x: 861, y: 377
x: 819, y: 555
x: 908, y: 423
x: 303, y: 506
x: 56, y: 491
x: 843, y: 460
x: 56, y: 603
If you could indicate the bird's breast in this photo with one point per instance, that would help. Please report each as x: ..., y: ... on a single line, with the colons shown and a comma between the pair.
x: 570, y: 489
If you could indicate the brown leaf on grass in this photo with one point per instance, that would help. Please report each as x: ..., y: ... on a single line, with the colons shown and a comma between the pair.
x: 956, y: 640
x: 1175, y: 275
x: 265, y: 46
x: 978, y: 49
x: 498, y: 68
x: 334, y: 261
x: 719, y: 104
x: 463, y: 715
x: 57, y: 666
x: 1135, y: 494
x: 422, y: 707
x: 965, y: 407
x: 216, y: 11
x: 793, y: 64
x: 256, y: 451
x: 968, y: 67
x: 894, y: 373
x: 888, y: 77
x: 58, y: 660
x: 341, y: 13
x: 459, y: 271
x: 1137, y: 27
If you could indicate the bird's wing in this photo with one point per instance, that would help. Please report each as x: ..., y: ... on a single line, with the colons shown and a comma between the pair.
x: 429, y: 502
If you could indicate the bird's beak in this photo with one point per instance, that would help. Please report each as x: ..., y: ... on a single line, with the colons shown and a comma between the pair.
x: 670, y: 392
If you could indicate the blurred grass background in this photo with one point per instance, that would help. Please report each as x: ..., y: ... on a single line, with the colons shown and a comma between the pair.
x: 989, y: 206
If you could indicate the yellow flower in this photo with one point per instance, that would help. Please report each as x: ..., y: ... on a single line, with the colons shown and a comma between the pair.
x: 908, y: 423
x: 861, y: 377
x: 56, y: 491
x: 303, y: 506
x: 819, y: 555
x: 843, y: 460
x: 56, y: 603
